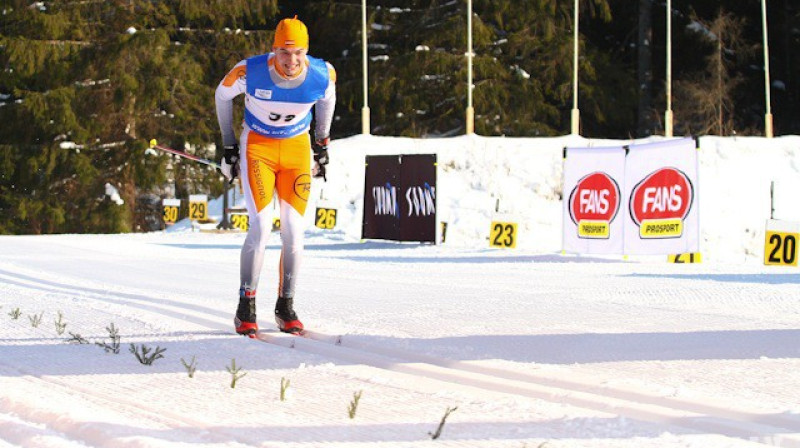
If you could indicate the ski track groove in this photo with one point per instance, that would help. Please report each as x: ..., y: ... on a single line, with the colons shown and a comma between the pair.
x: 780, y: 420
x: 661, y: 410
x: 99, y: 437
x: 673, y: 412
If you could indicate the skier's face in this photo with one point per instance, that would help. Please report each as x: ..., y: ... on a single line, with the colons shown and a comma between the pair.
x: 290, y: 60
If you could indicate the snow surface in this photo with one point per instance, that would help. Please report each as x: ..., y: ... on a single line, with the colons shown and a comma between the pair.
x: 533, y: 348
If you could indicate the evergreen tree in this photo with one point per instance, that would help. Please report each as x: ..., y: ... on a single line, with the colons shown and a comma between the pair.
x: 90, y: 82
x: 417, y: 66
x: 86, y: 84
x: 705, y: 103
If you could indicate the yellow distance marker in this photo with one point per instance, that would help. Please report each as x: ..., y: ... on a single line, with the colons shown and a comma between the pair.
x: 326, y: 218
x: 686, y: 258
x: 781, y: 243
x: 240, y: 221
x: 171, y: 210
x: 780, y: 248
x: 503, y: 235
x: 198, y: 207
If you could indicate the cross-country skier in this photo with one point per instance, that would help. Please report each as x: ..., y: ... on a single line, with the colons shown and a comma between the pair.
x: 274, y: 155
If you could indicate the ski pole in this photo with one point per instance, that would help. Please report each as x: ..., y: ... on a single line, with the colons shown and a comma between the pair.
x: 154, y: 144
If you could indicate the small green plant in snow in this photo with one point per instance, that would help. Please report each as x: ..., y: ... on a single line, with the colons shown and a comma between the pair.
x: 351, y: 410
x: 113, y: 333
x: 284, y: 388
x: 60, y: 324
x: 76, y: 339
x: 234, y: 371
x: 36, y: 319
x: 144, y: 355
x: 438, y: 432
x: 191, y: 367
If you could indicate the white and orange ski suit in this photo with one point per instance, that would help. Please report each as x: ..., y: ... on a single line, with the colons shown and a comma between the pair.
x: 275, y: 153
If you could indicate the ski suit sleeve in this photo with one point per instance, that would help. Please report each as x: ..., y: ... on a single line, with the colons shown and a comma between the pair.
x: 323, y: 110
x: 232, y: 85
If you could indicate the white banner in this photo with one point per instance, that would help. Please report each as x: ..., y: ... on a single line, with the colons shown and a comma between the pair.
x: 661, y: 197
x: 594, y: 206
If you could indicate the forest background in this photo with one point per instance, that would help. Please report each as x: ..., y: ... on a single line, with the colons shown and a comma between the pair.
x: 86, y: 83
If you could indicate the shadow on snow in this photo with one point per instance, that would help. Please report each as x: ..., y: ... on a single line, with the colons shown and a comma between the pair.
x: 768, y: 279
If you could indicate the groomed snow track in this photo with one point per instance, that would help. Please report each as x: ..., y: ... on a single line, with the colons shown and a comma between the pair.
x: 773, y: 430
x: 671, y: 412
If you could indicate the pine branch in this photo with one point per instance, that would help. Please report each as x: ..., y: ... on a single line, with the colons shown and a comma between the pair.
x: 438, y: 432
x: 60, y: 324
x: 144, y: 356
x: 77, y: 338
x: 81, y: 43
x: 15, y: 313
x: 353, y: 407
x: 115, y: 340
x: 234, y: 371
x: 191, y: 367
x: 36, y: 319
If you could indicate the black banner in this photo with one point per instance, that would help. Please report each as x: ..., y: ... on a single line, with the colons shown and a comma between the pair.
x: 400, y: 198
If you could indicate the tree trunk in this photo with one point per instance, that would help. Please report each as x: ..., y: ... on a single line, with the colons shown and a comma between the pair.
x: 645, y: 68
x: 790, y: 95
x: 131, y: 131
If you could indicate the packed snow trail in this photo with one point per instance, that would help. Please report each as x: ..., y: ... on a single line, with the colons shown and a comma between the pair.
x: 532, y: 348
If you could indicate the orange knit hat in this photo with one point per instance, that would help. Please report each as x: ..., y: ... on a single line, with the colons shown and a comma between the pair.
x: 291, y: 33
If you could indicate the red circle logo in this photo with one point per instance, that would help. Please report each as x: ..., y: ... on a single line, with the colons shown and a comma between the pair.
x: 664, y: 194
x: 595, y: 197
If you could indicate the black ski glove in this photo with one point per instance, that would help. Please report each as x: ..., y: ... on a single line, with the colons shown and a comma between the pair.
x: 320, y: 148
x: 229, y: 165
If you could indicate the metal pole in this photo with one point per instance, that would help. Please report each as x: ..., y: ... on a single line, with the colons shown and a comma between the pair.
x: 576, y: 113
x: 772, y: 200
x: 365, y: 128
x: 668, y: 113
x: 224, y: 223
x: 470, y: 125
x: 768, y: 115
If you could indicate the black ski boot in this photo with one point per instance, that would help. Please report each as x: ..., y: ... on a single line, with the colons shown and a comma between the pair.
x: 285, y: 316
x: 245, y: 320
